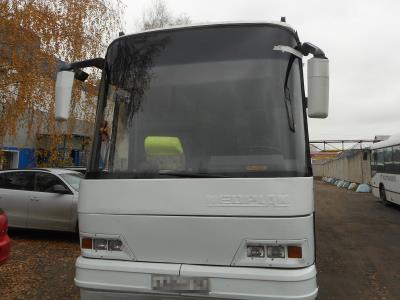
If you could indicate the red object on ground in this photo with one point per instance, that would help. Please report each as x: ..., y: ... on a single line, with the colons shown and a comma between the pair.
x: 5, y: 242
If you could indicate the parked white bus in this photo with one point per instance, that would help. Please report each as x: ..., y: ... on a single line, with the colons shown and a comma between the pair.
x: 385, y: 170
x: 200, y: 181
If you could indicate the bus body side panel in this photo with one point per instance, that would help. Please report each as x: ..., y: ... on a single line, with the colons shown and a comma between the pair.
x: 391, y: 183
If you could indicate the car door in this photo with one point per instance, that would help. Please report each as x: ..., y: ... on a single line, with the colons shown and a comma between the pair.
x: 47, y: 208
x: 16, y: 189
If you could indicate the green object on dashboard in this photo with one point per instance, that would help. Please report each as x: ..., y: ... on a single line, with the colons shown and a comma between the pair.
x: 163, y: 145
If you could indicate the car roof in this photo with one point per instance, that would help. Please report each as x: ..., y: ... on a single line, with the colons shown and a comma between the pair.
x: 57, y: 171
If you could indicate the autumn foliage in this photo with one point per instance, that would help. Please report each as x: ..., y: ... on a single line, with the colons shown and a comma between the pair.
x: 35, y: 36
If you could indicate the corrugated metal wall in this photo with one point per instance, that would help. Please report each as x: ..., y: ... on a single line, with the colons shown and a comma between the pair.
x: 353, y: 166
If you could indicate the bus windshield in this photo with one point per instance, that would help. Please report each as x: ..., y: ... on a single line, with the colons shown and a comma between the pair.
x: 212, y: 101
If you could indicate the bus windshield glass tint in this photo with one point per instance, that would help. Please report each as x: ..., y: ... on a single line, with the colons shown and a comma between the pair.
x: 212, y: 100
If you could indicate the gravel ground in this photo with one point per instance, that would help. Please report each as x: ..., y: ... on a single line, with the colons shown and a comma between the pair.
x: 358, y: 253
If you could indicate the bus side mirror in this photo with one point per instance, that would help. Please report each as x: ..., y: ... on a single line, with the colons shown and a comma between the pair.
x: 318, y: 87
x: 64, y: 82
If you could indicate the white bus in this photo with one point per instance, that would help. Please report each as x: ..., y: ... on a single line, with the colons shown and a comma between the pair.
x: 385, y: 170
x: 200, y: 182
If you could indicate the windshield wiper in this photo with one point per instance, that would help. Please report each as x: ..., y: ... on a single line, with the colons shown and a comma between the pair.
x: 190, y: 174
x: 286, y: 90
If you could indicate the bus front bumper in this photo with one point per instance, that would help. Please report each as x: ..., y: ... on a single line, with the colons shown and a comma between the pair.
x: 112, y: 279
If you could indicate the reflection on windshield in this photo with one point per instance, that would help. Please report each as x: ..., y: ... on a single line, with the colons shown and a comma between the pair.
x: 205, y: 101
x: 132, y: 69
x: 73, y: 179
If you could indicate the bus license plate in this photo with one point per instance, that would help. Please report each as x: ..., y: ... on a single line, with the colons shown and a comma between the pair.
x: 170, y: 283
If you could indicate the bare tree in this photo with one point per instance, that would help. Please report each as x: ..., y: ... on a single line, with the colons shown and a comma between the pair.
x: 158, y: 15
x: 182, y: 19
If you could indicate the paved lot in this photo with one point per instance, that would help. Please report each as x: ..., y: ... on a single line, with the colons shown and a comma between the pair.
x: 358, y: 248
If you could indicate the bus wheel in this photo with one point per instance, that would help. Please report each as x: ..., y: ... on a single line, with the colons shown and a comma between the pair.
x: 382, y: 195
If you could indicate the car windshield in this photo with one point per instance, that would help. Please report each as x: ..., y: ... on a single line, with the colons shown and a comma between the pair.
x: 73, y: 179
x: 211, y: 101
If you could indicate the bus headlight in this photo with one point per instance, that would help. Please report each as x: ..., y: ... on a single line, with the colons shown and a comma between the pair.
x: 276, y: 251
x: 255, y: 251
x: 274, y: 254
x: 106, y: 247
x: 104, y: 244
x: 99, y: 244
x: 114, y: 245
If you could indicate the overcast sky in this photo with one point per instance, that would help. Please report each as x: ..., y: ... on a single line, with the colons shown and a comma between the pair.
x: 361, y: 39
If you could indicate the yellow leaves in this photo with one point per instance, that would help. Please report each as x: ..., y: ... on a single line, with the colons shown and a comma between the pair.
x: 34, y: 36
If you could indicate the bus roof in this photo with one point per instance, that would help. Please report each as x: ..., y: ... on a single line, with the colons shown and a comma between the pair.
x: 391, y: 141
x: 195, y: 25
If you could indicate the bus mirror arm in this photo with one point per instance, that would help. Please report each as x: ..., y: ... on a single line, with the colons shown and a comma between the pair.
x: 308, y: 48
x: 77, y: 66
x: 94, y: 62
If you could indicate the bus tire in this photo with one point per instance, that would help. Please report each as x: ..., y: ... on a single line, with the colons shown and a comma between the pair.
x: 382, y: 195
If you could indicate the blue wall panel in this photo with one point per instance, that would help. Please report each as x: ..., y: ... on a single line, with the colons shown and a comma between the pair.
x: 26, y: 157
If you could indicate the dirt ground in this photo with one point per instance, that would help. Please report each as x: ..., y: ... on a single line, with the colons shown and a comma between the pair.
x: 42, y: 266
x: 358, y: 253
x: 358, y: 245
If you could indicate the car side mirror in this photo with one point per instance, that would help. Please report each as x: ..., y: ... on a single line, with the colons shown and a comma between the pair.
x: 318, y: 87
x: 64, y: 82
x: 60, y: 189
